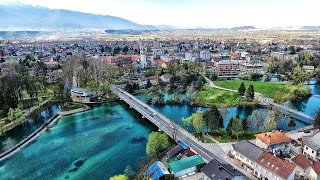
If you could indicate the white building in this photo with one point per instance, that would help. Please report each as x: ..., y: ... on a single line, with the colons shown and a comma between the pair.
x: 276, y: 142
x: 311, y: 146
x: 143, y: 57
x: 308, y: 69
x: 205, y: 55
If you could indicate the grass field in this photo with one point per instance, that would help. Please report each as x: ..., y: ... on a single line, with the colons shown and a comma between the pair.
x: 280, y: 91
x: 223, y: 137
x: 220, y: 98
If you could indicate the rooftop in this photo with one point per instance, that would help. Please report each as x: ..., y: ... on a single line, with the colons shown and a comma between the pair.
x: 302, y: 161
x: 276, y: 165
x: 186, y: 163
x: 243, y: 146
x: 215, y: 170
x: 312, y: 141
x: 274, y: 137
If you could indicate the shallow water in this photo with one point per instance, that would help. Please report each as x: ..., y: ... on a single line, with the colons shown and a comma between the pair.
x: 95, y: 144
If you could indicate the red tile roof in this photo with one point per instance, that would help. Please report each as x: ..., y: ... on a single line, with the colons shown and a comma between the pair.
x: 302, y: 161
x: 275, y: 137
x: 316, y: 167
x: 276, y: 165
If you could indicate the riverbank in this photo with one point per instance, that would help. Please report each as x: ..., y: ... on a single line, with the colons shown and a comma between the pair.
x: 41, y: 129
x: 29, y: 138
x: 26, y: 115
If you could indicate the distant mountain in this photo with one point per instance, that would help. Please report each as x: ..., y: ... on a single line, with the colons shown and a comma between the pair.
x: 35, y: 18
x: 240, y: 28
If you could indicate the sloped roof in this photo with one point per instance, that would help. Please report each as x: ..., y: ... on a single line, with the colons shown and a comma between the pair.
x: 302, y: 161
x: 215, y: 170
x: 316, y: 167
x: 312, y: 141
x: 185, y: 163
x: 174, y: 151
x: 156, y: 170
x: 248, y: 150
x: 276, y: 165
x: 274, y: 137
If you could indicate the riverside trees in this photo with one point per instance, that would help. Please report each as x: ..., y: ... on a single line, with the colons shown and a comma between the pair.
x: 157, y: 142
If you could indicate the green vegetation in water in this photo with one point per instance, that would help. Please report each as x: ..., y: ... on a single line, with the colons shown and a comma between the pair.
x: 71, y: 107
x: 220, y: 98
x: 279, y: 91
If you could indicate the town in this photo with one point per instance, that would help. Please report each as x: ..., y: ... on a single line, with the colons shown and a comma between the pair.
x: 87, y: 95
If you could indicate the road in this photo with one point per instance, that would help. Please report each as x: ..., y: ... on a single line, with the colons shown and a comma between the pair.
x: 174, y: 130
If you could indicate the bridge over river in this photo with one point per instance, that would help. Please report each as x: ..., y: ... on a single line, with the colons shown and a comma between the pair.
x: 175, y: 131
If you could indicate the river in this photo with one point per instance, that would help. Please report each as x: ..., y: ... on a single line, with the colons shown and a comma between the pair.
x: 101, y: 142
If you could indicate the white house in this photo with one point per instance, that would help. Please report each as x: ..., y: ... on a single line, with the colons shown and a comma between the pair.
x: 311, y: 146
x: 308, y: 69
x: 313, y: 172
x: 276, y: 142
x: 269, y: 166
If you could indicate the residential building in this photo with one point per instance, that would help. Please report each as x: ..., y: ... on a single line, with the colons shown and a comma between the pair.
x: 308, y: 69
x: 276, y: 142
x: 302, y: 163
x: 205, y: 55
x: 214, y: 170
x: 165, y: 78
x: 227, y: 68
x: 247, y: 153
x: 269, y: 166
x: 156, y: 170
x: 311, y: 146
x: 80, y: 95
x: 185, y: 166
x: 313, y: 172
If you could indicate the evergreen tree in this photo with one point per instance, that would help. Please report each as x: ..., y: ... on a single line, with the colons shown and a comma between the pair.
x: 229, y: 127
x: 245, y: 125
x: 213, y: 119
x: 250, y: 93
x: 242, y: 89
x: 148, y: 84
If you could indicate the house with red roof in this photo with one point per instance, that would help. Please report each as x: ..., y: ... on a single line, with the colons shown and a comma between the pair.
x: 313, y: 172
x: 269, y: 166
x: 276, y: 142
x: 302, y: 163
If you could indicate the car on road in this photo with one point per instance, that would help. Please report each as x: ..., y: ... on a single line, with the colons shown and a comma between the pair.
x: 306, y: 131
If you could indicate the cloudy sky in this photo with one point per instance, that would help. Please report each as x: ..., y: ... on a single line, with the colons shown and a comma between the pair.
x: 196, y: 13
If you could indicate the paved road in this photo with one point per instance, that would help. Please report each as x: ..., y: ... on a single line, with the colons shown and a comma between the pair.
x: 174, y: 131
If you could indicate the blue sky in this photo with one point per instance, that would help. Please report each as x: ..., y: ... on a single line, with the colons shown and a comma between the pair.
x: 197, y: 13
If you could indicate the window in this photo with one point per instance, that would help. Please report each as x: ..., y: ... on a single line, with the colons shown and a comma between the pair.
x: 306, y: 148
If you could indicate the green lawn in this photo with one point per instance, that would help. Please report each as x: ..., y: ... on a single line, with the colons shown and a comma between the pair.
x: 280, y: 91
x: 219, y: 98
x: 223, y: 137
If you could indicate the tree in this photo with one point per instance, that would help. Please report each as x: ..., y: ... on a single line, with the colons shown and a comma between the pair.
x: 119, y: 177
x: 271, y: 122
x: 250, y: 93
x: 128, y: 172
x: 229, y: 127
x: 245, y: 125
x: 149, y: 85
x: 317, y: 119
x: 256, y: 120
x: 292, y: 123
x: 2, y: 123
x: 236, y: 127
x: 299, y: 76
x: 157, y: 142
x: 242, y: 89
x: 11, y: 115
x: 196, y: 119
x: 213, y: 119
